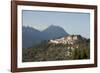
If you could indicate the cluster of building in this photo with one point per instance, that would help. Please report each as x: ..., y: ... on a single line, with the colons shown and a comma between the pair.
x: 71, y: 39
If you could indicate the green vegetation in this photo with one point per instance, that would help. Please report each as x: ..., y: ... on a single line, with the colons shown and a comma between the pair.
x: 52, y: 52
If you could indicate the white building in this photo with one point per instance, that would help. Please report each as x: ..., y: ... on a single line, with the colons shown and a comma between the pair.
x: 65, y: 40
x: 75, y: 38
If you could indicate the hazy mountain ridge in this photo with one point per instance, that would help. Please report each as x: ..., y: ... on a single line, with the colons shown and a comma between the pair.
x: 32, y: 36
x: 55, y: 32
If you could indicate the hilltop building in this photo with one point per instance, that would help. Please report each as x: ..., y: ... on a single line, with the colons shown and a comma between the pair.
x: 71, y: 39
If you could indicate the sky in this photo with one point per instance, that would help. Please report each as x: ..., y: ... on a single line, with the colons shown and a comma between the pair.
x: 72, y: 22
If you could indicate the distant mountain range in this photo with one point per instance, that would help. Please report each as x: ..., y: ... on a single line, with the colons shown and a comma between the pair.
x: 32, y: 36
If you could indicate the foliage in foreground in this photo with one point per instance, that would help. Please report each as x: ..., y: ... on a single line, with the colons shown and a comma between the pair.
x: 52, y: 52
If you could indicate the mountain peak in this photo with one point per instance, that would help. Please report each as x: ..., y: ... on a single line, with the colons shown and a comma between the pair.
x: 28, y: 28
x: 54, y: 27
x: 55, y: 31
x: 33, y: 36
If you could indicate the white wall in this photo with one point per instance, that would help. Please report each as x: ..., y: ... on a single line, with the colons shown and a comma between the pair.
x: 5, y: 33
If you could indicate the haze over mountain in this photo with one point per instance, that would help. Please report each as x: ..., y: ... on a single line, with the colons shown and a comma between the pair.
x: 55, y: 32
x: 32, y: 36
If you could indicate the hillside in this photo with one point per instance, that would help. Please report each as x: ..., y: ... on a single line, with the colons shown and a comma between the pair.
x: 76, y: 47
